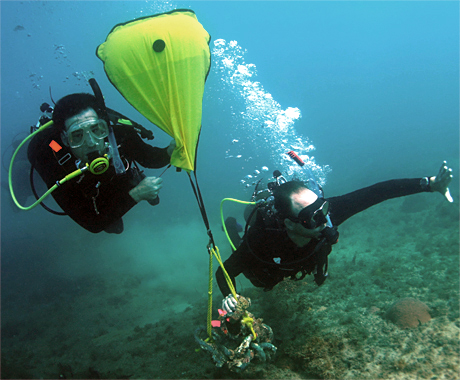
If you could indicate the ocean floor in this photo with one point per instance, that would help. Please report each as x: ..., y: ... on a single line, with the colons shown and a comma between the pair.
x: 119, y: 327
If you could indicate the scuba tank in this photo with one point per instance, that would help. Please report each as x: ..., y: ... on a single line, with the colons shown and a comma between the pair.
x: 264, y: 201
x: 47, y: 115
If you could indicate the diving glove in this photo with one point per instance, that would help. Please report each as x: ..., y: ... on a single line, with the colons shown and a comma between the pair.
x: 171, y: 147
x: 441, y: 182
x: 147, y: 189
x: 229, y: 303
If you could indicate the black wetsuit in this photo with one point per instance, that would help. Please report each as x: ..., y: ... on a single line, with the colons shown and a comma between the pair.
x: 267, y: 255
x: 95, y: 202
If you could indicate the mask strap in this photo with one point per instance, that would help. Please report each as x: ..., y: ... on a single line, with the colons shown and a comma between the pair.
x: 65, y: 138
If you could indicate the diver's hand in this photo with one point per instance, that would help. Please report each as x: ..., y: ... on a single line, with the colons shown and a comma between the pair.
x: 229, y: 303
x: 171, y: 147
x: 147, y: 189
x: 441, y: 182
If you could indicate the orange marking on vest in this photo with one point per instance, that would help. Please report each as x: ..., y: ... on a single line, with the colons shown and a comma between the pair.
x: 55, y: 146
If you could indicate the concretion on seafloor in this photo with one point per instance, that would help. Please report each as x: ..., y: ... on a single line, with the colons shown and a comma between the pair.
x: 233, y: 342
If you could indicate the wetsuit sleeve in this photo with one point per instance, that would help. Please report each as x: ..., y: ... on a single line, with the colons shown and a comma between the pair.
x: 234, y: 266
x: 146, y: 155
x: 345, y: 206
x: 135, y: 148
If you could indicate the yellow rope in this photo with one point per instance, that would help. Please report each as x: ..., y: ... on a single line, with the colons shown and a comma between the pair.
x: 249, y: 322
x: 209, y: 325
x: 214, y: 251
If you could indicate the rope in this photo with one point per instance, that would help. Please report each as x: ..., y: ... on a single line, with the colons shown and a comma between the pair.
x: 246, y: 320
x: 214, y: 251
x: 209, y: 319
x: 211, y: 250
x: 165, y: 170
x: 199, y: 198
x: 249, y: 322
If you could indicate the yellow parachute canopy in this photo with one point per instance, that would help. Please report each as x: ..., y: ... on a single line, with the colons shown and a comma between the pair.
x: 159, y: 64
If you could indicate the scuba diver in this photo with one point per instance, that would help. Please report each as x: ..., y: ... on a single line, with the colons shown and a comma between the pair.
x: 86, y: 134
x: 291, y: 232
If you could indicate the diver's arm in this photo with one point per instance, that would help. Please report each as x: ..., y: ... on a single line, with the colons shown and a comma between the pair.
x: 118, y: 118
x: 350, y: 204
x: 135, y: 148
x: 232, y: 230
x: 234, y: 266
x: 149, y: 156
x: 347, y: 205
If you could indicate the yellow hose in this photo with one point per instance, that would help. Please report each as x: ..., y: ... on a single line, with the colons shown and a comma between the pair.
x: 54, y: 187
x: 223, y: 221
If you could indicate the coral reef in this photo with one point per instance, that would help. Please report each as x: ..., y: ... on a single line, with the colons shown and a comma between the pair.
x: 101, y: 327
x: 408, y: 312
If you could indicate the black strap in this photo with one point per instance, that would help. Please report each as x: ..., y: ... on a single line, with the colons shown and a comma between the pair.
x: 321, y: 266
x: 199, y: 198
x: 100, y: 99
x: 115, y: 116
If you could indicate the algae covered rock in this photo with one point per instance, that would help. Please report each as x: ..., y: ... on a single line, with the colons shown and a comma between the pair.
x: 408, y: 313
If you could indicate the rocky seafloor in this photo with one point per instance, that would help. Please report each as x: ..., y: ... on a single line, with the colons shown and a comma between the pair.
x: 96, y: 327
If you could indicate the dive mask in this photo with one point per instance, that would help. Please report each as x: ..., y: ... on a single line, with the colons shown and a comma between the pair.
x: 79, y: 132
x: 313, y: 215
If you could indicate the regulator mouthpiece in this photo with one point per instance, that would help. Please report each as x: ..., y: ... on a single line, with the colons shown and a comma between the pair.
x: 99, y: 165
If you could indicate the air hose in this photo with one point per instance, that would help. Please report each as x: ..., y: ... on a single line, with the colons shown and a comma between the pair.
x: 222, y: 215
x: 54, y: 187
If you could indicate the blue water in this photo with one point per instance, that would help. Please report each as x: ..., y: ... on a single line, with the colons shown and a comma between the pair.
x: 366, y: 91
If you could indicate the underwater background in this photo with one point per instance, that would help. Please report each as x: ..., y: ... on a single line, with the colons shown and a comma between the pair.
x: 365, y: 91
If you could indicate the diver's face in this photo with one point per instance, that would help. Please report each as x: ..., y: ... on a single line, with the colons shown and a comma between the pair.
x: 299, y: 201
x: 85, y: 135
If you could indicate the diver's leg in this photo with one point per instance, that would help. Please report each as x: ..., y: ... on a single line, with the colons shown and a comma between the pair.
x: 116, y: 227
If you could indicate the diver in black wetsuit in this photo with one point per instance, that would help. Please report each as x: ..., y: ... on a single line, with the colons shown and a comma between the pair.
x: 297, y: 238
x: 80, y: 135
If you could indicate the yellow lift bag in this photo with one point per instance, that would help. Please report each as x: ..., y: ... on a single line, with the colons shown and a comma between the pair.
x: 159, y: 64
